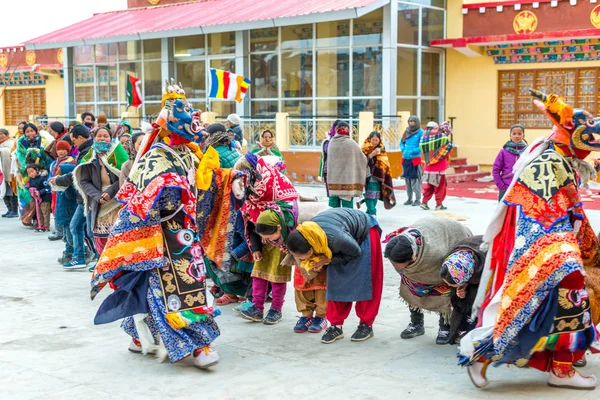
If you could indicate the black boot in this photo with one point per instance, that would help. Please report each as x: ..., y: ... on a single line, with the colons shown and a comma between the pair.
x: 416, y: 326
x: 14, y: 207
x: 443, y: 336
x: 7, y: 203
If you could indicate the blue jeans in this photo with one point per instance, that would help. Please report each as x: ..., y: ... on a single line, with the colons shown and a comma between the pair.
x: 77, y: 227
x: 67, y: 238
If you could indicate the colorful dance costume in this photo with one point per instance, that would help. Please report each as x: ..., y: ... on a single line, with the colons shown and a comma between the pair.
x: 534, y: 308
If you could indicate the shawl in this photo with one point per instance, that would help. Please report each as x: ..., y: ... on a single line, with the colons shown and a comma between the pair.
x: 216, y: 215
x: 317, y: 239
x: 381, y: 172
x: 435, y: 143
x: 346, y: 168
x: 59, y: 161
x: 219, y: 138
x: 270, y: 187
x: 411, y: 131
x: 439, y: 236
x: 515, y: 148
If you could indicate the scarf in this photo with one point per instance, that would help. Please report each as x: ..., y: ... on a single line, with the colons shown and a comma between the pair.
x: 316, y: 237
x: 414, y: 237
x: 218, y: 139
x: 59, y: 161
x: 515, y: 148
x: 381, y: 172
x: 267, y: 144
x: 460, y: 265
x: 115, y: 157
x: 411, y: 131
x: 269, y: 190
x: 435, y: 143
x: 273, y: 218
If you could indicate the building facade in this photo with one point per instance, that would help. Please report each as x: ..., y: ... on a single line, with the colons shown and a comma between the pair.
x: 315, y: 62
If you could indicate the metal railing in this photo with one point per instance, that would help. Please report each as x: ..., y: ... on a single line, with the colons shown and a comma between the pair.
x: 390, y: 128
x: 252, y: 128
x: 309, y: 132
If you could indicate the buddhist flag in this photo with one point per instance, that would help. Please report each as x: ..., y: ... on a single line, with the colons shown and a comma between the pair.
x: 134, y: 91
x: 228, y: 86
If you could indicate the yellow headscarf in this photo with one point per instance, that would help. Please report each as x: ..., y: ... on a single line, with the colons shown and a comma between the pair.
x: 316, y: 237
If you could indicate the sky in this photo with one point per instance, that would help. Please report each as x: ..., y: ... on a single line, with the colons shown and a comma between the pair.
x: 27, y: 19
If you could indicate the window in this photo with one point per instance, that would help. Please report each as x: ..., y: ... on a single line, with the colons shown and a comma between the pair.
x: 20, y: 104
x: 578, y: 86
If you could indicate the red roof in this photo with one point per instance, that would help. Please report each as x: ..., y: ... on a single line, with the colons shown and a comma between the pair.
x: 201, y: 17
x: 516, y: 38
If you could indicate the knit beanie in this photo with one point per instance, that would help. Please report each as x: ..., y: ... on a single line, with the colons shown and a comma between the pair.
x: 234, y: 119
x: 63, y: 145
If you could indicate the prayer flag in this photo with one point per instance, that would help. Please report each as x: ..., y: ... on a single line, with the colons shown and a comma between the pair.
x: 228, y: 86
x: 134, y: 92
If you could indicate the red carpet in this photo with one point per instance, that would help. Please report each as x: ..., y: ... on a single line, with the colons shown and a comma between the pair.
x: 487, y: 190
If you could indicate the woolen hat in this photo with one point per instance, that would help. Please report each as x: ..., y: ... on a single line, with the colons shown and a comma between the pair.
x: 63, y: 145
x: 234, y: 119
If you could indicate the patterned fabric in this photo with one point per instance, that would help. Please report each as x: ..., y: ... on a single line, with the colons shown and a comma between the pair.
x: 270, y: 188
x: 435, y: 143
x: 216, y: 219
x: 460, y: 265
x: 422, y: 290
x: 381, y: 172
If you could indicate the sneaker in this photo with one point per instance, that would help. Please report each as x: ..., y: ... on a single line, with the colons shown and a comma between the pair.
x: 205, y: 359
x: 75, y: 264
x: 441, y: 208
x: 318, y: 325
x: 580, y: 363
x: 90, y: 258
x: 408, y: 202
x: 443, y: 336
x: 303, y: 324
x: 217, y: 292
x: 424, y: 206
x: 363, y: 332
x: 332, y: 334
x: 252, y: 314
x: 245, y: 305
x: 5, y: 214
x: 55, y: 237
x: 273, y: 317
x: 66, y: 257
x: 412, y: 330
x: 12, y: 214
x: 92, y: 267
x: 416, y: 203
x: 40, y: 230
x: 135, y: 346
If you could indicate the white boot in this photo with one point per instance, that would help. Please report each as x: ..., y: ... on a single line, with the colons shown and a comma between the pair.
x: 205, y: 360
x: 577, y: 381
x: 477, y: 372
x: 134, y: 347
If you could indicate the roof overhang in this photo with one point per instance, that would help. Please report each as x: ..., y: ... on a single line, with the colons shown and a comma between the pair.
x: 466, y: 45
x: 80, y: 37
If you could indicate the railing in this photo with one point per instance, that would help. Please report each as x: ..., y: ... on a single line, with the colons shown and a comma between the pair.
x: 44, y: 120
x: 390, y: 128
x: 309, y: 132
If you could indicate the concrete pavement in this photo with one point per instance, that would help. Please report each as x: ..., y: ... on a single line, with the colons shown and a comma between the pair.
x: 50, y: 349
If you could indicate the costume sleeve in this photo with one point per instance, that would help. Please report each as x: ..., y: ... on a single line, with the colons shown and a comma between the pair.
x: 344, y: 248
x: 497, y: 171
x: 87, y: 186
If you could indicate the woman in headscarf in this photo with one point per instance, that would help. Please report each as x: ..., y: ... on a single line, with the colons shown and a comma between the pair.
x: 348, y: 243
x: 461, y: 271
x: 502, y: 171
x: 346, y: 168
x: 97, y: 180
x: 412, y: 170
x: 135, y: 142
x: 58, y: 131
x: 267, y: 142
x: 379, y: 185
x: 417, y: 253
x: 436, y: 145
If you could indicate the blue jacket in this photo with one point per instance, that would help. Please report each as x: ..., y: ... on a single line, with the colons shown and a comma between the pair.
x: 66, y: 200
x: 411, y: 149
x: 240, y: 245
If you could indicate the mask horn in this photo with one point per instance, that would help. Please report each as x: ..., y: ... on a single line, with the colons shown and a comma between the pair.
x: 539, y: 95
